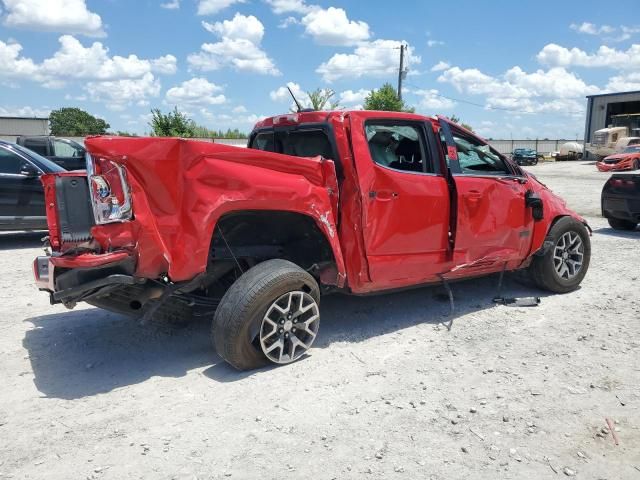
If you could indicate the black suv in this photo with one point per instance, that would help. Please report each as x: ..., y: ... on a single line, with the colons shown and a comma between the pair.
x: 21, y: 193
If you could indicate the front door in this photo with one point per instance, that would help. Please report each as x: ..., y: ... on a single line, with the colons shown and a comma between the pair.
x: 494, y: 226
x: 405, y: 200
x: 21, y: 195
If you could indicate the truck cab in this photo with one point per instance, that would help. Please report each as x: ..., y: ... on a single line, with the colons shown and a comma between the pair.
x: 68, y: 154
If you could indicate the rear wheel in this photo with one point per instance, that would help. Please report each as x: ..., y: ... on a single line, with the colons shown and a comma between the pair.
x: 271, y: 314
x: 618, y: 224
x: 564, y: 265
x: 636, y: 164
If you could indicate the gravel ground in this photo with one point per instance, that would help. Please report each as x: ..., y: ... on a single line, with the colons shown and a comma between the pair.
x: 387, y: 392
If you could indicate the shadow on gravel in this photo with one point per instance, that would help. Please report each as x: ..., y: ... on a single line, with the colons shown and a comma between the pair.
x: 610, y: 232
x: 19, y: 240
x: 86, y: 352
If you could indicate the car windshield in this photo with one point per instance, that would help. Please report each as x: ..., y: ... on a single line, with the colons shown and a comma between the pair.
x: 634, y: 149
x: 44, y: 163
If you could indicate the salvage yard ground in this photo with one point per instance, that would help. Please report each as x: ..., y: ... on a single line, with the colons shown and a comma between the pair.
x: 387, y: 392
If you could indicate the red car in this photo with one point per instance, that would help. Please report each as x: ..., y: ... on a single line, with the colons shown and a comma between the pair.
x: 358, y: 202
x: 629, y: 159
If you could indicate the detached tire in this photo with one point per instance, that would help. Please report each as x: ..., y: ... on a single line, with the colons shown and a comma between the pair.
x: 563, y: 267
x: 619, y: 224
x: 269, y: 315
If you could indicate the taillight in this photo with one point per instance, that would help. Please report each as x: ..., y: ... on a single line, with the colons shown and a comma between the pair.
x: 621, y: 183
x: 109, y: 190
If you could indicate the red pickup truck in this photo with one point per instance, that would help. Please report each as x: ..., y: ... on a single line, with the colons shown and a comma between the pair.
x: 353, y: 201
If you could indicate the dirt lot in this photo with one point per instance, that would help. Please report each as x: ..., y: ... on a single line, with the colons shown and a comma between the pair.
x: 387, y: 392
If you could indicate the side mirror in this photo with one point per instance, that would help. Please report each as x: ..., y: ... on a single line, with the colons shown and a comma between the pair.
x: 29, y: 171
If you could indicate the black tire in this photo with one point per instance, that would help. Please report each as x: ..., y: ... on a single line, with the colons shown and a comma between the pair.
x: 619, y: 224
x: 239, y: 316
x: 542, y: 270
x: 535, y: 161
x: 636, y: 164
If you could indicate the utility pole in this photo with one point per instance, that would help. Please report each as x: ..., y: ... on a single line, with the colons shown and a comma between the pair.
x: 401, y: 72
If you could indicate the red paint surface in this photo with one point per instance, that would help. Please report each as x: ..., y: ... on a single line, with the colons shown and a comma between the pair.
x: 397, y: 238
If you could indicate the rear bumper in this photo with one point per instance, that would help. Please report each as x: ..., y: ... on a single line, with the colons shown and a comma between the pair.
x: 74, y: 278
x: 620, y: 207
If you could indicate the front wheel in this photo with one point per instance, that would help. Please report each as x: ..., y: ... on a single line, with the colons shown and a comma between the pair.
x: 563, y: 266
x: 636, y: 164
x: 271, y: 314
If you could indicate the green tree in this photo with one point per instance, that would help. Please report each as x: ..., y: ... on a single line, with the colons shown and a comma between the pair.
x: 386, y: 99
x: 456, y: 119
x: 172, y: 124
x: 320, y: 99
x: 75, y: 123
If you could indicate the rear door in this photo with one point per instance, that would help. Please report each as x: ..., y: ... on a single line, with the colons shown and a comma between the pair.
x: 405, y: 199
x: 494, y: 225
x: 21, y: 196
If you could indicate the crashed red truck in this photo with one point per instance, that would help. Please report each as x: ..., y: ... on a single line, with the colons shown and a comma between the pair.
x: 358, y: 202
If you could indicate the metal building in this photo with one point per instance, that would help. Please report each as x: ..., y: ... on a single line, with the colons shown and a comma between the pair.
x: 11, y: 127
x: 600, y: 109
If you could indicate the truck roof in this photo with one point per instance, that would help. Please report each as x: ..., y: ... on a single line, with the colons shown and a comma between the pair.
x: 323, y: 117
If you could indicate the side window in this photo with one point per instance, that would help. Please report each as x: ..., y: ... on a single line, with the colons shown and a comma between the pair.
x: 398, y: 146
x: 10, y: 162
x: 37, y: 145
x: 64, y: 149
x: 264, y: 141
x: 477, y: 158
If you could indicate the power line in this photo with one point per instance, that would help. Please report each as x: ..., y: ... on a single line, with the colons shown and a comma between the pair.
x: 490, y: 107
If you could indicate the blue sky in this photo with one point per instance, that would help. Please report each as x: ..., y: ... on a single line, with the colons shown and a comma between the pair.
x: 510, y: 69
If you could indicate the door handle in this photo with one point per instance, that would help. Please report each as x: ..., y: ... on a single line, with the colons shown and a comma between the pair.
x: 383, y: 195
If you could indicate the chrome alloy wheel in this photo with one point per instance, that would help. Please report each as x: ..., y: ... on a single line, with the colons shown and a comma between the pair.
x: 289, y: 327
x: 568, y: 255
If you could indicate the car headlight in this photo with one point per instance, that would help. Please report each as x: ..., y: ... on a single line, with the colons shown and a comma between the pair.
x: 109, y: 190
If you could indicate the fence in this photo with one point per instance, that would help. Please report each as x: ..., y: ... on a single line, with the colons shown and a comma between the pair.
x: 541, y: 146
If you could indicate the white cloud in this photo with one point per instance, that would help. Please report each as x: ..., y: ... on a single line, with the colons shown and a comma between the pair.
x: 289, y: 6
x: 171, y: 5
x: 197, y: 91
x: 282, y: 94
x: 378, y: 58
x: 556, y: 55
x: 239, y: 47
x: 350, y: 97
x: 624, y: 83
x: 211, y: 7
x: 119, y: 94
x: 74, y: 61
x: 240, y: 109
x: 438, y: 67
x: 241, y: 27
x: 432, y: 100
x: 287, y: 22
x: 331, y: 26
x: 24, y: 112
x: 591, y: 29
x: 434, y: 43
x: 554, y: 90
x: 66, y: 16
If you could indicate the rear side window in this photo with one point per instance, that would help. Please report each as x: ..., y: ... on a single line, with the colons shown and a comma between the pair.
x: 10, y: 162
x: 398, y: 146
x: 66, y: 149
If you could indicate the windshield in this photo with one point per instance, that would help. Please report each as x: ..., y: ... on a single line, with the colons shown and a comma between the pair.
x: 47, y: 165
x: 634, y: 149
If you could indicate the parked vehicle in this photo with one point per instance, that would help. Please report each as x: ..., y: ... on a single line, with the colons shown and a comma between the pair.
x: 353, y: 201
x: 526, y: 156
x: 66, y: 153
x: 621, y: 201
x: 21, y: 193
x: 569, y: 151
x: 623, y: 132
x: 629, y: 159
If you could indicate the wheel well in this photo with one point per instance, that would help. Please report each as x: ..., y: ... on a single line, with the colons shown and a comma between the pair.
x: 251, y: 237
